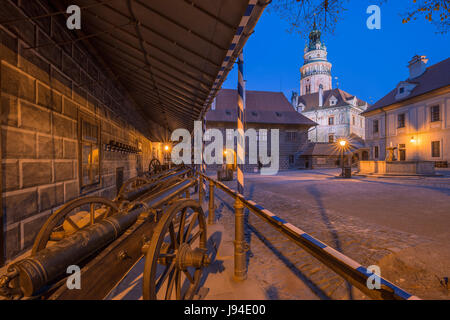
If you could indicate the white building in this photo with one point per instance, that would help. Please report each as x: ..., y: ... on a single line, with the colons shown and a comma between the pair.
x: 414, y: 117
x: 336, y: 112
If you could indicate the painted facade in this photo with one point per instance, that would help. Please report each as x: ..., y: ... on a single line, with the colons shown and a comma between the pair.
x: 414, y: 118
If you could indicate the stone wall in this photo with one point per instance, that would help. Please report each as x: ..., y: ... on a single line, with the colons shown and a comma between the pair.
x: 44, y: 91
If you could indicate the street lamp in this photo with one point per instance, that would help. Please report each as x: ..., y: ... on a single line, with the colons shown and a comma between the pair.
x: 342, y: 144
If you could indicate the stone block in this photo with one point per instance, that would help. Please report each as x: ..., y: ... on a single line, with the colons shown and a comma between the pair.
x: 9, y: 110
x: 17, y: 83
x: 18, y: 145
x: 61, y: 83
x: 12, y: 242
x: 70, y: 109
x: 49, y: 98
x: 51, y: 196
x: 70, y: 150
x: 63, y: 127
x: 34, y: 118
x: 52, y: 53
x: 36, y: 173
x: 63, y: 171
x: 50, y: 148
x: 24, y: 28
x: 71, y: 190
x: 70, y: 68
x: 31, y: 229
x: 10, y: 176
x: 19, y: 206
x: 33, y: 64
x: 8, y: 48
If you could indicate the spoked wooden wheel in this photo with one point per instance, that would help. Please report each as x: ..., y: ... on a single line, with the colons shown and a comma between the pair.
x: 177, y: 253
x: 72, y: 217
x: 154, y: 166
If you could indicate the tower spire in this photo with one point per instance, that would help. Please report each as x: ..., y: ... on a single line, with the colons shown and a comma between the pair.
x: 316, y: 70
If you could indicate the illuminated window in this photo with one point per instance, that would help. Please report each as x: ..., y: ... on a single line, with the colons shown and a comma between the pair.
x: 436, y: 149
x: 435, y: 113
x: 331, y: 138
x: 376, y: 152
x: 89, y: 145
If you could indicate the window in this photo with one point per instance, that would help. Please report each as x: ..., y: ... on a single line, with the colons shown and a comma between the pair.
x: 278, y: 114
x: 354, y: 120
x: 401, y: 120
x: 436, y: 149
x: 361, y: 122
x: 376, y: 129
x: 402, y: 152
x: 291, y: 136
x: 89, y: 144
x: 331, y: 121
x: 291, y: 159
x: 401, y: 90
x: 376, y: 152
x: 435, y: 113
x: 331, y: 138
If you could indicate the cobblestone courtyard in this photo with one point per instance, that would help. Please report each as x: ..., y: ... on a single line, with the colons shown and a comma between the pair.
x: 399, y: 224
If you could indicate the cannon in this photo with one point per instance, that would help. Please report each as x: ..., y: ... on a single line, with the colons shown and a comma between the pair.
x: 105, y: 239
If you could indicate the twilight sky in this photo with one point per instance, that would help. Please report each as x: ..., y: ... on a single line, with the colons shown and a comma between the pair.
x: 368, y: 63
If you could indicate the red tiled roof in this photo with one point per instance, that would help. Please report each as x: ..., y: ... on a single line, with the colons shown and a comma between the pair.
x: 435, y: 77
x: 311, y: 101
x: 261, y: 107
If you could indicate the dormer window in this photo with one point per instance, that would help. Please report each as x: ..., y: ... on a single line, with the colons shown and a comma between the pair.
x: 278, y: 114
x: 228, y: 112
x: 333, y: 101
x: 404, y: 89
x: 254, y: 114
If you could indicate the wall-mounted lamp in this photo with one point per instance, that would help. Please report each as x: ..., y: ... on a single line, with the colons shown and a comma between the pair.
x: 412, y: 140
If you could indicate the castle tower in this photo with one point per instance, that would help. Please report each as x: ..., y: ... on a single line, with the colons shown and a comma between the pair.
x: 316, y: 69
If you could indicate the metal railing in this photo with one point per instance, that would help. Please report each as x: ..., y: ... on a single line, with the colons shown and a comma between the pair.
x: 347, y: 268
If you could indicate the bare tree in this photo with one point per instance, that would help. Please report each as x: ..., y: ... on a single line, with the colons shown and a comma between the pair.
x: 301, y: 14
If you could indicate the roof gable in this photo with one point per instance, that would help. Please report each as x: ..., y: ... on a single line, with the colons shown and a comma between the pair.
x: 261, y: 107
x: 435, y: 77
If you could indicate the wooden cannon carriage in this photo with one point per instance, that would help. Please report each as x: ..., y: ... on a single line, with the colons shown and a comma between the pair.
x: 105, y: 239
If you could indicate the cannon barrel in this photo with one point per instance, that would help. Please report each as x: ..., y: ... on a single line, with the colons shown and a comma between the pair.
x: 36, y: 272
x: 48, y: 264
x: 158, y: 185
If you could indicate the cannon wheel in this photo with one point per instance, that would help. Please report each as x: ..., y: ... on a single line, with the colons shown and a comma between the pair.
x: 154, y: 166
x: 57, y: 218
x: 178, y: 249
x: 133, y: 183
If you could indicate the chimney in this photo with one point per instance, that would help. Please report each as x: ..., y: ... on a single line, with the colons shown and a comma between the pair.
x: 320, y: 96
x: 417, y: 66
